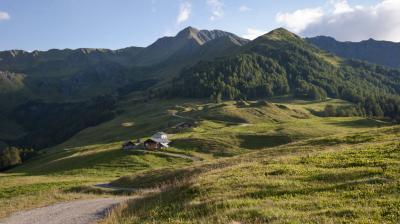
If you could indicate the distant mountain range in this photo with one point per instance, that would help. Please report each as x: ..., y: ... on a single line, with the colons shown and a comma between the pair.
x: 41, y: 91
x: 378, y: 52
x: 69, y: 75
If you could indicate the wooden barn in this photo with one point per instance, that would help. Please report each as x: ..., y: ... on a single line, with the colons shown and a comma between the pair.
x: 157, y: 141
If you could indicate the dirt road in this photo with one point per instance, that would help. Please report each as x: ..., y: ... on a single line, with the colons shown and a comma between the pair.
x: 177, y: 155
x: 74, y: 212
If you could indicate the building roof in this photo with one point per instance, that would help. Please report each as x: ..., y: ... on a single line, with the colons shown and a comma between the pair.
x: 160, y: 137
x: 160, y: 140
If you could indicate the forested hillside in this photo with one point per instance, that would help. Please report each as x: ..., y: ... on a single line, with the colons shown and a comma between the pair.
x: 195, y: 64
x: 280, y: 63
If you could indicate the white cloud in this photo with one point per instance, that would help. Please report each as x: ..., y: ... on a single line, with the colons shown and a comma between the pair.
x: 4, y: 16
x: 341, y: 6
x: 300, y: 19
x: 346, y: 22
x: 244, y: 8
x: 184, y: 12
x: 216, y: 9
x: 253, y: 33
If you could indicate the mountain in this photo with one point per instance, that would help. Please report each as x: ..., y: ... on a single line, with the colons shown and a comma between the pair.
x: 185, y: 44
x: 64, y: 81
x: 378, y: 52
x: 280, y: 63
x: 70, y: 75
x: 169, y: 55
x: 70, y: 85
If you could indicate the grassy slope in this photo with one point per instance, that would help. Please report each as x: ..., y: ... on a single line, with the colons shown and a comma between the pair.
x: 94, y: 155
x: 229, y: 126
x: 347, y: 178
x: 52, y: 177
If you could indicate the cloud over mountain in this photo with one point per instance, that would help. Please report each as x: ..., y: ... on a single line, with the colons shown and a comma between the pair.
x: 346, y: 22
x: 252, y: 33
x: 184, y: 12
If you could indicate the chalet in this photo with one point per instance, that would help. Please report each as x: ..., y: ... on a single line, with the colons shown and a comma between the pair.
x: 157, y: 141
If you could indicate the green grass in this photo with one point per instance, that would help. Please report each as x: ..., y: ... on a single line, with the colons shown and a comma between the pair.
x: 99, y: 160
x: 349, y: 182
x: 231, y: 138
x: 56, y: 176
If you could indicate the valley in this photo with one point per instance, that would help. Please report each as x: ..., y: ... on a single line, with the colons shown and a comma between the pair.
x: 273, y: 130
x: 280, y: 129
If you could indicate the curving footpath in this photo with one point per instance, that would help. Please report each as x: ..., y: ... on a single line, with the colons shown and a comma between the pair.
x: 86, y: 211
x: 73, y: 212
x: 176, y: 155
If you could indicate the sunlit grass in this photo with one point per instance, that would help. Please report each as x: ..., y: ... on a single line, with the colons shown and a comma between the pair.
x: 351, y: 181
x: 222, y: 131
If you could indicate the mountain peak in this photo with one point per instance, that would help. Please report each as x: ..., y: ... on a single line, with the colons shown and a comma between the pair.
x: 188, y: 31
x: 203, y: 36
x: 281, y: 34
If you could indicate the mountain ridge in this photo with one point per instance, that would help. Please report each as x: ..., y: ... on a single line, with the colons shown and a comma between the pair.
x: 193, y: 64
x: 385, y: 53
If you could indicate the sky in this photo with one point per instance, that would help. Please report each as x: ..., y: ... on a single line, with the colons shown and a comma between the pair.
x: 46, y: 24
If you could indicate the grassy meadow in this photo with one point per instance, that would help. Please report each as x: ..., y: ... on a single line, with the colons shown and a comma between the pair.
x: 341, y: 179
x: 260, y: 162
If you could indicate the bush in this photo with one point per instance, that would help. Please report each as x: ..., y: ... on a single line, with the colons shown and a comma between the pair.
x: 9, y: 157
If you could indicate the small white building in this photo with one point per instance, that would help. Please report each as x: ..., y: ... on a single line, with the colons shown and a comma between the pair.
x: 158, y: 141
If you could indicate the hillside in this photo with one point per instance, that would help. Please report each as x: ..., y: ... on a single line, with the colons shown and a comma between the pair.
x: 61, y: 79
x: 281, y: 131
x: 384, y: 53
x: 195, y: 64
x: 280, y: 63
x: 337, y: 179
x: 233, y: 128
x: 71, y: 75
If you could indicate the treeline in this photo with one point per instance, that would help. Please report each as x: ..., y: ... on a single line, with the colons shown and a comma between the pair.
x: 268, y: 71
x: 343, y: 111
x: 48, y: 124
x: 12, y: 156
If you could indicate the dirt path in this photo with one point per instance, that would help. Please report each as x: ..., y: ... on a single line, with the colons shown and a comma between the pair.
x: 177, y: 155
x: 175, y: 114
x: 73, y: 212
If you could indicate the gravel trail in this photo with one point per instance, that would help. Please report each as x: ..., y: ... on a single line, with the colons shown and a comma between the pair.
x: 177, y: 155
x: 73, y: 212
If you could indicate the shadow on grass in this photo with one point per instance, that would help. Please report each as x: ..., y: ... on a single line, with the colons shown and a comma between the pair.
x: 214, y: 146
x: 276, y: 191
x: 97, y: 191
x: 69, y: 162
x: 361, y: 123
x: 167, y: 177
x: 166, y: 205
x: 352, y: 139
x: 344, y: 176
x: 263, y: 141
x: 173, y: 199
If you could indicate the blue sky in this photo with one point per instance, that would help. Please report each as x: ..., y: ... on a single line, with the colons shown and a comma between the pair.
x: 45, y: 24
